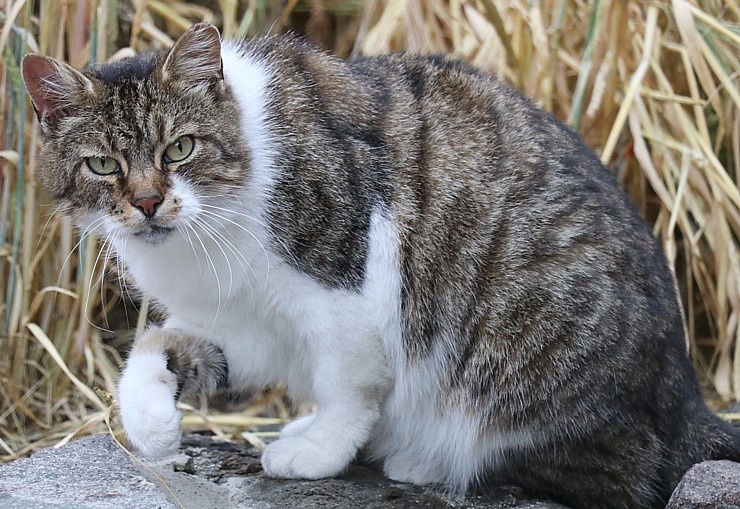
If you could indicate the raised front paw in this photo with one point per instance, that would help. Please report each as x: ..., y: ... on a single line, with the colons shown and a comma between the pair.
x: 148, y: 412
x: 298, y: 457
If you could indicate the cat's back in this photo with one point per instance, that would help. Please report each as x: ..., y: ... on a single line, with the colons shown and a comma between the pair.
x: 458, y: 125
x: 469, y: 149
x: 465, y: 162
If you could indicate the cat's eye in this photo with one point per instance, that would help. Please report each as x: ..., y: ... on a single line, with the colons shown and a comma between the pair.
x: 103, y: 165
x: 179, y: 149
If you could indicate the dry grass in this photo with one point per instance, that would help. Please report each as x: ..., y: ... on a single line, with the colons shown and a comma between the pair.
x: 653, y: 86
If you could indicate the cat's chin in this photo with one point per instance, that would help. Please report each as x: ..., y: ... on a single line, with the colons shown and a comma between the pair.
x: 154, y: 234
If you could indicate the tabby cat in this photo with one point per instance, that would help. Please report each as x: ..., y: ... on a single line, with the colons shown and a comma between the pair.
x: 448, y: 272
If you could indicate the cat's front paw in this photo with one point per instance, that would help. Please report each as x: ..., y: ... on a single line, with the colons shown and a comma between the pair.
x: 147, y: 398
x: 298, y: 457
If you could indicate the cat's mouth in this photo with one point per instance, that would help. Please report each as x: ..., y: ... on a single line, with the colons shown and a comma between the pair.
x: 153, y: 234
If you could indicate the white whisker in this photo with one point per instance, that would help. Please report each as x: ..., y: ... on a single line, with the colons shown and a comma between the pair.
x: 218, y: 236
x: 90, y: 286
x: 106, y: 260
x: 208, y: 230
x: 122, y: 282
x: 268, y: 229
x: 267, y: 256
x: 186, y: 235
x: 89, y: 230
x: 215, y: 272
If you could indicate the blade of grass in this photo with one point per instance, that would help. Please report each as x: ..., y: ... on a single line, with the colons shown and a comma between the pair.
x: 46, y: 343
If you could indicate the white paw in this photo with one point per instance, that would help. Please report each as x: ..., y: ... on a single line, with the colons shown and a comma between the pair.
x: 297, y: 427
x: 301, y: 458
x: 147, y: 397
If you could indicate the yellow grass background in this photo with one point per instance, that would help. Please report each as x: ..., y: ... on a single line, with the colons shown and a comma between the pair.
x: 652, y: 86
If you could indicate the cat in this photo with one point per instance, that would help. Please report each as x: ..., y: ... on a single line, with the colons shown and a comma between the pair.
x: 447, y: 271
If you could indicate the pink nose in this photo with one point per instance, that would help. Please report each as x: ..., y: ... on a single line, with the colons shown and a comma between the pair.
x: 148, y: 204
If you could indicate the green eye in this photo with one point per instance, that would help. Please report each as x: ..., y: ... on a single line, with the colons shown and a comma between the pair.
x: 179, y: 150
x: 103, y: 165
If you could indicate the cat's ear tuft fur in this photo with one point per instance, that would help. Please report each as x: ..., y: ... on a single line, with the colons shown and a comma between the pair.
x: 195, y: 59
x: 55, y: 87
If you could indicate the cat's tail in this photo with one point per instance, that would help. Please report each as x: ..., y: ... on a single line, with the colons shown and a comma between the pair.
x: 730, y: 448
x: 719, y: 439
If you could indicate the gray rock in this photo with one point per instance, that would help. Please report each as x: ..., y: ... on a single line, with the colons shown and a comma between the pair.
x: 711, y: 484
x: 94, y: 473
x: 89, y: 473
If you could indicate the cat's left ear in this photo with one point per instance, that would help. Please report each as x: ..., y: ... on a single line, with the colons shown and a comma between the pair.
x: 195, y: 59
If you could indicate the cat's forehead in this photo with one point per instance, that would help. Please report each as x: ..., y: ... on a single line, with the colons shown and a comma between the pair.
x: 131, y: 105
x: 137, y: 68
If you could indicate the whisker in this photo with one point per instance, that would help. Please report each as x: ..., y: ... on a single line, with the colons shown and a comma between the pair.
x: 122, y: 283
x: 208, y: 229
x: 267, y: 256
x: 106, y: 260
x: 186, y: 235
x: 89, y: 230
x: 215, y: 271
x: 269, y: 230
x: 54, y: 212
x: 216, y: 235
x: 111, y: 254
x: 89, y: 292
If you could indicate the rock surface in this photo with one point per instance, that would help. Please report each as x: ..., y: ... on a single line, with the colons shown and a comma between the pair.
x: 712, y: 484
x: 95, y: 473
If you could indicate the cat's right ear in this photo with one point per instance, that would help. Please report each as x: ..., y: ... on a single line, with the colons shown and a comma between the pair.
x: 55, y: 87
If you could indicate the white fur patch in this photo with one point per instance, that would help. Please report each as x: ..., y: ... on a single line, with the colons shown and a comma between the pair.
x: 249, y: 79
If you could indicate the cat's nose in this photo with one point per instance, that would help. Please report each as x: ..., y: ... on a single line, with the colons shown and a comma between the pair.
x: 147, y: 204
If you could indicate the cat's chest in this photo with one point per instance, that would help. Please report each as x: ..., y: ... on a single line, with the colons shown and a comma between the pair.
x: 204, y: 278
x: 220, y: 289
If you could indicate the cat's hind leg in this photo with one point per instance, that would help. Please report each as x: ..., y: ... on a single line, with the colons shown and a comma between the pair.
x: 164, y: 364
x: 405, y: 466
x: 608, y: 470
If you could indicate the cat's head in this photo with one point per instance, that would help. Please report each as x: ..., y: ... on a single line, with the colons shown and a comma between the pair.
x: 135, y: 147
